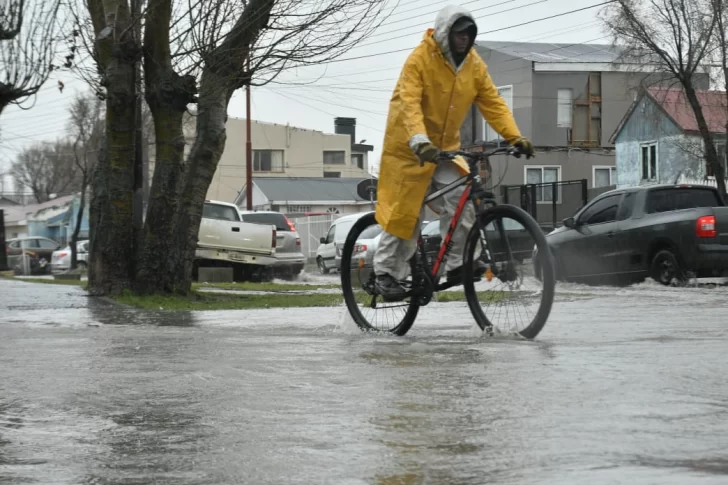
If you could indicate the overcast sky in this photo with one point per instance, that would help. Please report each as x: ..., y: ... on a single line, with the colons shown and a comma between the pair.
x: 358, y: 88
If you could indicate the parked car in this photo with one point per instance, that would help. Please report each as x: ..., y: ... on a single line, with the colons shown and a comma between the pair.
x: 519, y: 239
x: 328, y: 254
x: 225, y: 240
x: 659, y: 231
x: 40, y: 249
x: 289, y: 256
x: 61, y: 259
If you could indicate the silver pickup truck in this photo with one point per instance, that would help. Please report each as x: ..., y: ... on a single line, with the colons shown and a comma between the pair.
x: 224, y: 240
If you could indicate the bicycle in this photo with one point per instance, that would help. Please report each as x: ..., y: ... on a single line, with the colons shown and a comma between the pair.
x: 424, y: 279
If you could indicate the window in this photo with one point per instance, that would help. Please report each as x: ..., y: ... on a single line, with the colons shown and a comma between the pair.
x: 626, y: 207
x: 720, y: 148
x: 371, y: 232
x: 506, y: 93
x: 47, y: 244
x: 268, y: 160
x: 432, y: 228
x: 357, y: 160
x: 268, y: 218
x: 601, y: 211
x: 334, y: 157
x: 542, y: 176
x: 330, y: 235
x: 217, y: 211
x: 563, y: 108
x: 332, y: 175
x: 648, y: 158
x: 298, y: 208
x: 604, y: 176
x: 671, y: 199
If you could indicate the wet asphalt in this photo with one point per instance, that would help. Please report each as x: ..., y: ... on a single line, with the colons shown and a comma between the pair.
x: 624, y: 385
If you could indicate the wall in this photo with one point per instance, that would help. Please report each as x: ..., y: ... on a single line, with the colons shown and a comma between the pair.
x: 505, y: 70
x: 575, y: 164
x: 303, y: 154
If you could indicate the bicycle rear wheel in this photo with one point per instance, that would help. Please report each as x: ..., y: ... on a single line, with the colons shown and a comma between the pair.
x: 368, y: 310
x: 510, y: 294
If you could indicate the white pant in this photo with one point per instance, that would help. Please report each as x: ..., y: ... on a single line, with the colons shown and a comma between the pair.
x: 393, y: 254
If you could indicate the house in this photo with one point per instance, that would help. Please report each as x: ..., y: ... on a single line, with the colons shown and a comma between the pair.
x: 282, y: 151
x: 568, y: 99
x: 658, y: 139
x: 306, y: 195
x: 29, y: 220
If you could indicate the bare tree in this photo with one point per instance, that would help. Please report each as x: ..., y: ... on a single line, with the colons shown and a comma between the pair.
x: 30, y: 33
x: 223, y: 45
x: 46, y: 169
x: 676, y: 36
x: 86, y: 129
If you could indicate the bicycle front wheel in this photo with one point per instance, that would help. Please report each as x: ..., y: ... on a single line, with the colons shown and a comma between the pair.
x: 368, y: 310
x: 509, y: 298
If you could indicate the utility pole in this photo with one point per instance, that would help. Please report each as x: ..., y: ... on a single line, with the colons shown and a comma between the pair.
x: 248, y: 145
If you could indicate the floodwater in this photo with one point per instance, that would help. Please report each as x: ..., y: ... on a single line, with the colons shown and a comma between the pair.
x: 624, y: 385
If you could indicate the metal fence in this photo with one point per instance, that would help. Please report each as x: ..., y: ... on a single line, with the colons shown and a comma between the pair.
x: 551, y: 202
x: 311, y: 229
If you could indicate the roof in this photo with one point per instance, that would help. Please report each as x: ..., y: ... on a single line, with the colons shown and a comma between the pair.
x: 18, y: 213
x: 303, y: 189
x: 544, y: 52
x: 675, y: 106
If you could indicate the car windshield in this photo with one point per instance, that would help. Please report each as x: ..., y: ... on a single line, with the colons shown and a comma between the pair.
x: 218, y: 211
x: 432, y: 228
x: 272, y: 218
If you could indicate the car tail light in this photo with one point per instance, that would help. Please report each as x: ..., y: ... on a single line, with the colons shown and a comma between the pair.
x: 360, y: 248
x: 298, y: 241
x: 274, y: 238
x: 290, y: 224
x: 705, y: 226
x: 62, y: 255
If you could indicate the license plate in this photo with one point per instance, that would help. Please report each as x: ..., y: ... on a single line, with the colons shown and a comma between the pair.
x: 236, y: 256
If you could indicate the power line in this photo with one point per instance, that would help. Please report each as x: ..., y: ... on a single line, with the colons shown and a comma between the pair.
x: 482, y: 33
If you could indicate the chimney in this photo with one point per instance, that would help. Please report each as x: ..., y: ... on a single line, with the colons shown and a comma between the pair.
x: 346, y: 126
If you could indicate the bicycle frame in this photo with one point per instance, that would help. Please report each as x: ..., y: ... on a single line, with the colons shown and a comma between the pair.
x: 473, y: 183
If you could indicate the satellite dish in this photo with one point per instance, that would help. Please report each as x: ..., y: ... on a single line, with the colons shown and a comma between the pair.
x: 367, y: 189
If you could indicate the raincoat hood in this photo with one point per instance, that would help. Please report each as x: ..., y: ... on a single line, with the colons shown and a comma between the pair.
x: 444, y: 21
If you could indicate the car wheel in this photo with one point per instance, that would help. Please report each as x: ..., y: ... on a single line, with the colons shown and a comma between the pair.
x: 321, y: 266
x: 666, y: 268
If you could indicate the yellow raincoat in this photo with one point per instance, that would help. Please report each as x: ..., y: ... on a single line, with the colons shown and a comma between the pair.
x: 431, y: 101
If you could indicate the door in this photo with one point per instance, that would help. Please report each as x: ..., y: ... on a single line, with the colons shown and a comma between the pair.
x: 328, y: 251
x: 592, y: 249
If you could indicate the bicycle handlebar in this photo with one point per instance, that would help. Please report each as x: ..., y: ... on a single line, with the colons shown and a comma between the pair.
x: 472, y: 157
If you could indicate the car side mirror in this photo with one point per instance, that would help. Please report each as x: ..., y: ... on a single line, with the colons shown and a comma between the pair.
x: 570, y: 222
x: 322, y: 240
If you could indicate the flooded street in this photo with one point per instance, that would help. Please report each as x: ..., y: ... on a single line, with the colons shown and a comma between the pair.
x: 623, y: 385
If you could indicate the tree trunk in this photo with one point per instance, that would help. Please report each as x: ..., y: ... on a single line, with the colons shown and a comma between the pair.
x: 111, y: 225
x: 711, y: 154
x: 202, y: 163
x: 167, y: 95
x: 79, y: 220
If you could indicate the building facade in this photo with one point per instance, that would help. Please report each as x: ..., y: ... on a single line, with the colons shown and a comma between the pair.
x: 282, y: 151
x: 658, y: 140
x: 568, y: 99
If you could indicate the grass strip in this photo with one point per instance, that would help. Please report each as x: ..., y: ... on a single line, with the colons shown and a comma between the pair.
x: 248, y: 286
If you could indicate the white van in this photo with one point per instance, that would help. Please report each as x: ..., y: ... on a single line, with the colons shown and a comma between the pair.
x: 328, y: 254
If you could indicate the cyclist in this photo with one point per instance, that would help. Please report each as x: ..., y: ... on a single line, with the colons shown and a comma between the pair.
x: 439, y: 82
